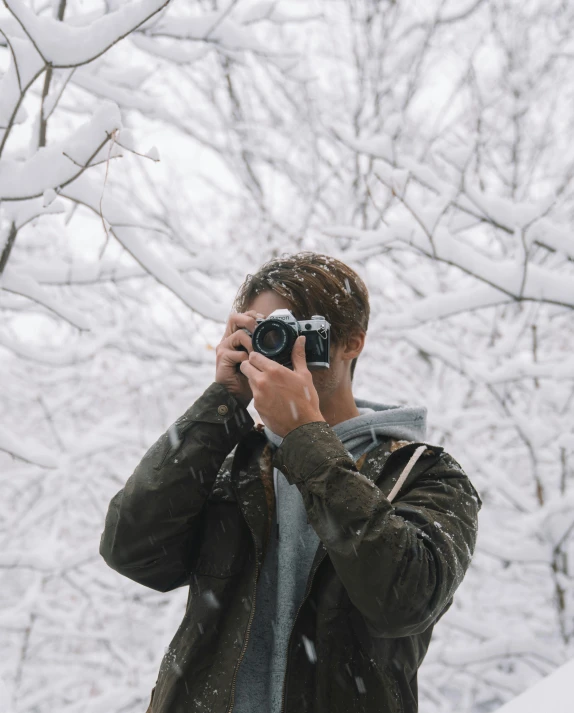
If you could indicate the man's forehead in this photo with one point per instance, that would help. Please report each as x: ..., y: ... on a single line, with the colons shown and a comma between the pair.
x: 267, y: 302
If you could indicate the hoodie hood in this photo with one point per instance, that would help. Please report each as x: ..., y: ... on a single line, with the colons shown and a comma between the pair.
x: 375, y: 423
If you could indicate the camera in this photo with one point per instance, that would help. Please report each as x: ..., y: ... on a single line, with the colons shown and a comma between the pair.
x: 275, y: 336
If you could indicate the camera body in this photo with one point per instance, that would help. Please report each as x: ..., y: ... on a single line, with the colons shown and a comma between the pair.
x: 275, y: 336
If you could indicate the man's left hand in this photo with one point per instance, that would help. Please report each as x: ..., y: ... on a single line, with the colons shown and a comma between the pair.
x: 283, y: 398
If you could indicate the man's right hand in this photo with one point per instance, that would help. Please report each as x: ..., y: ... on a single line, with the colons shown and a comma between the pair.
x: 227, y: 356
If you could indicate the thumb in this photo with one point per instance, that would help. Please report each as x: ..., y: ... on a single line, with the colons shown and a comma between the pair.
x: 298, y: 354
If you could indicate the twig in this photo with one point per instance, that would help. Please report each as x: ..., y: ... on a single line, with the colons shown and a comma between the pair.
x: 113, y: 139
x: 137, y: 153
x: 220, y: 19
x: 60, y: 93
x: 46, y: 89
x: 16, y: 109
x: 8, y: 247
x: 91, y: 165
x: 14, y: 58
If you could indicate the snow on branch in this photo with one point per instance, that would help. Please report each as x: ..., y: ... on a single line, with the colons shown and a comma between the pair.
x: 71, y: 355
x: 27, y: 449
x: 508, y: 276
x: 522, y: 367
x: 13, y: 280
x: 501, y: 647
x: 23, y: 212
x: 172, y: 52
x: 25, y: 66
x: 64, y: 45
x: 58, y: 272
x: 131, y: 235
x: 270, y: 11
x: 82, y: 273
x: 212, y: 27
x: 459, y: 193
x: 423, y: 226
x: 61, y: 163
x: 442, y: 305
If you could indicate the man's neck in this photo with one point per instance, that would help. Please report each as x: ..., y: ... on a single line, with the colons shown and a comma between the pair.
x: 338, y: 407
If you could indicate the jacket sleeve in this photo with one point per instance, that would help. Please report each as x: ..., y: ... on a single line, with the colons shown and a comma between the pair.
x: 151, y: 522
x: 400, y: 563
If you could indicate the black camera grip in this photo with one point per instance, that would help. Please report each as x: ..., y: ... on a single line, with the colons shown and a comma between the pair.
x: 240, y: 348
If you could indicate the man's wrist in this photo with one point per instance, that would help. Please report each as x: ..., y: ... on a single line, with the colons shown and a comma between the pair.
x: 316, y: 418
x: 241, y: 400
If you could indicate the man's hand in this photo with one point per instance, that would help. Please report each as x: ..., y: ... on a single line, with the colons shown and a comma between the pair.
x: 227, y: 356
x: 283, y: 398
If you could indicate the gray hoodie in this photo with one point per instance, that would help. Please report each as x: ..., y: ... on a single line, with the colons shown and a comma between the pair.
x: 281, y: 586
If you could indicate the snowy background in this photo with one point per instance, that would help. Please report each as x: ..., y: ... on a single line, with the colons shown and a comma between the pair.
x: 152, y: 153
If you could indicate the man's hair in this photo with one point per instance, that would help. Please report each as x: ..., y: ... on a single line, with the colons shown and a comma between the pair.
x: 313, y: 284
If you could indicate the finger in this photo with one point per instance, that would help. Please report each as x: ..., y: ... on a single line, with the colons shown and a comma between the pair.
x: 237, y: 359
x: 298, y: 358
x: 231, y: 356
x: 243, y: 319
x: 237, y: 320
x: 236, y: 339
x: 261, y: 362
x: 249, y: 371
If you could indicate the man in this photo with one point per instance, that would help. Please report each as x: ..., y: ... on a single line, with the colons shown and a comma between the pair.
x: 319, y: 548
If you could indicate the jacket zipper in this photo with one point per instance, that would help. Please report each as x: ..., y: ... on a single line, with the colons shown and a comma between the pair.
x: 309, y: 585
x: 248, y: 625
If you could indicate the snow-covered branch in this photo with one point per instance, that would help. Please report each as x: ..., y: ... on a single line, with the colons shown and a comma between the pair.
x: 58, y: 165
x: 60, y: 44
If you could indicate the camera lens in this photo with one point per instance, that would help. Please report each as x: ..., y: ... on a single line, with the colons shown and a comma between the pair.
x: 274, y: 339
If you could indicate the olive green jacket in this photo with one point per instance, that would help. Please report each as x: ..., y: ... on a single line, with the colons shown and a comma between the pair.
x: 197, y: 512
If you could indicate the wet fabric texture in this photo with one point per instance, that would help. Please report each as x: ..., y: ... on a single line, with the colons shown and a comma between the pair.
x: 287, y: 564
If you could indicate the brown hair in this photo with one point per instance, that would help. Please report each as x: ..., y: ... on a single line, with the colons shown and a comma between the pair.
x: 313, y: 284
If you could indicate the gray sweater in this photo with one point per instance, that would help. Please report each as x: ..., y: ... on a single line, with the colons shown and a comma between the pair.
x: 283, y: 579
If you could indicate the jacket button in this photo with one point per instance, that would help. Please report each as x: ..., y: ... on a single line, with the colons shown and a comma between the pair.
x: 222, y: 410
